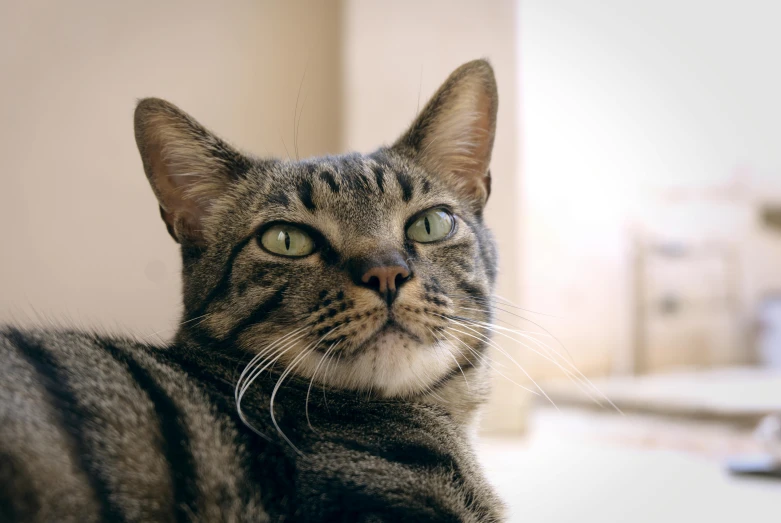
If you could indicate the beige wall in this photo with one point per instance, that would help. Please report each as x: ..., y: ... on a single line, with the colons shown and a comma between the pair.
x: 82, y: 238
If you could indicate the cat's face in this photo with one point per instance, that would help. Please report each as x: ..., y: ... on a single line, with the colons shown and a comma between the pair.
x: 365, y: 272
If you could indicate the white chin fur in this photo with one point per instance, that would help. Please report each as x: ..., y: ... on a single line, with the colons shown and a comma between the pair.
x: 395, y: 365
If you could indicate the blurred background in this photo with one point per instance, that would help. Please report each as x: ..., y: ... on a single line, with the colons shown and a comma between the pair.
x: 636, y: 202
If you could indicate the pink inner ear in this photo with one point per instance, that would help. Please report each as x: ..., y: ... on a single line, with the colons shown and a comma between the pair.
x: 181, y: 214
x: 477, y: 177
x: 187, y: 166
x: 483, y: 130
x: 453, y: 135
x: 460, y: 140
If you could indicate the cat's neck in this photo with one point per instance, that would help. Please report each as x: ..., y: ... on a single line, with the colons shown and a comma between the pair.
x: 462, y: 398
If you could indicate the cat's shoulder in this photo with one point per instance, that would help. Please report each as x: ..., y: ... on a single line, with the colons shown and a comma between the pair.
x: 62, y: 338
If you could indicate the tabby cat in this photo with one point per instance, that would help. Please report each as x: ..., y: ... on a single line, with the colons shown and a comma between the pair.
x: 332, y: 350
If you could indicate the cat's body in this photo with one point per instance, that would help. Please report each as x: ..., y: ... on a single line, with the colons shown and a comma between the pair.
x: 105, y: 429
x: 332, y: 352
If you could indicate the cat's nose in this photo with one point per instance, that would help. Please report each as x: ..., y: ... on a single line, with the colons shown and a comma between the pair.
x: 384, y: 274
x: 386, y: 280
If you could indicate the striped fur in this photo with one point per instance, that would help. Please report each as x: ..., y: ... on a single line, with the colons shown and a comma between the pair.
x: 103, y: 429
x: 373, y: 400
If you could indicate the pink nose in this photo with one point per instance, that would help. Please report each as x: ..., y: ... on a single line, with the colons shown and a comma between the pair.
x: 384, y: 279
x: 384, y: 272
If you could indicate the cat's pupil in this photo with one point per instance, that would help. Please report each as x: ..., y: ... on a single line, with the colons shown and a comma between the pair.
x: 428, y: 225
x: 284, y: 236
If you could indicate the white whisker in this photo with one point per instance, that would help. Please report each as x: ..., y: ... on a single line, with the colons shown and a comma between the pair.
x: 327, y: 370
x: 455, y: 360
x: 575, y: 375
x: 311, y: 382
x: 251, y: 368
x: 255, y: 373
x: 505, y: 321
x: 505, y: 302
x: 304, y: 353
x: 487, y: 361
x: 258, y: 356
x: 491, y: 343
x: 549, y: 333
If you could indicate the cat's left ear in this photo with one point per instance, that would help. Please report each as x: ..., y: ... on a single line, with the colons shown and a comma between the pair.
x: 188, y: 167
x: 453, y: 136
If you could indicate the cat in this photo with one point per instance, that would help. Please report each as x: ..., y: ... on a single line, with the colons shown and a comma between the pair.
x: 332, y: 353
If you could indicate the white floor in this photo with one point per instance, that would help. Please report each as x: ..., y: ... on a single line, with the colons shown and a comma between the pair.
x: 549, y: 479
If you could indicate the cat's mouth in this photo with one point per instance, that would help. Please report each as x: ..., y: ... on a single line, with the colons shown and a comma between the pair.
x: 391, y: 326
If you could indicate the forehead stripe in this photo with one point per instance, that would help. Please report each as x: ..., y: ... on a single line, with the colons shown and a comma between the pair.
x: 279, y: 198
x: 328, y: 178
x: 406, y: 185
x: 379, y: 175
x: 305, y: 194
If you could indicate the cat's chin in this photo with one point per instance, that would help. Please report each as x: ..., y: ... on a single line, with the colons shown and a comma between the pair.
x: 392, y: 363
x: 387, y: 332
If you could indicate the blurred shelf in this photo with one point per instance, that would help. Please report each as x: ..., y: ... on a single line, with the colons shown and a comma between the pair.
x: 738, y: 396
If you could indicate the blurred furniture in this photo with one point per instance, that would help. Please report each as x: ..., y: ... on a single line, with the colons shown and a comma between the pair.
x: 686, y: 305
x: 769, y: 331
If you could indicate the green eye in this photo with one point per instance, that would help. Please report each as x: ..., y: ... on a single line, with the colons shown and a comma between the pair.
x: 431, y: 226
x: 287, y: 240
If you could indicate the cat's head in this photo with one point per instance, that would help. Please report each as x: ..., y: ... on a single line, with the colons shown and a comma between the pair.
x: 371, y: 272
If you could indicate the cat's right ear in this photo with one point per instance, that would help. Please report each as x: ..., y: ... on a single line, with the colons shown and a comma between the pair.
x: 187, y: 166
x: 453, y: 135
